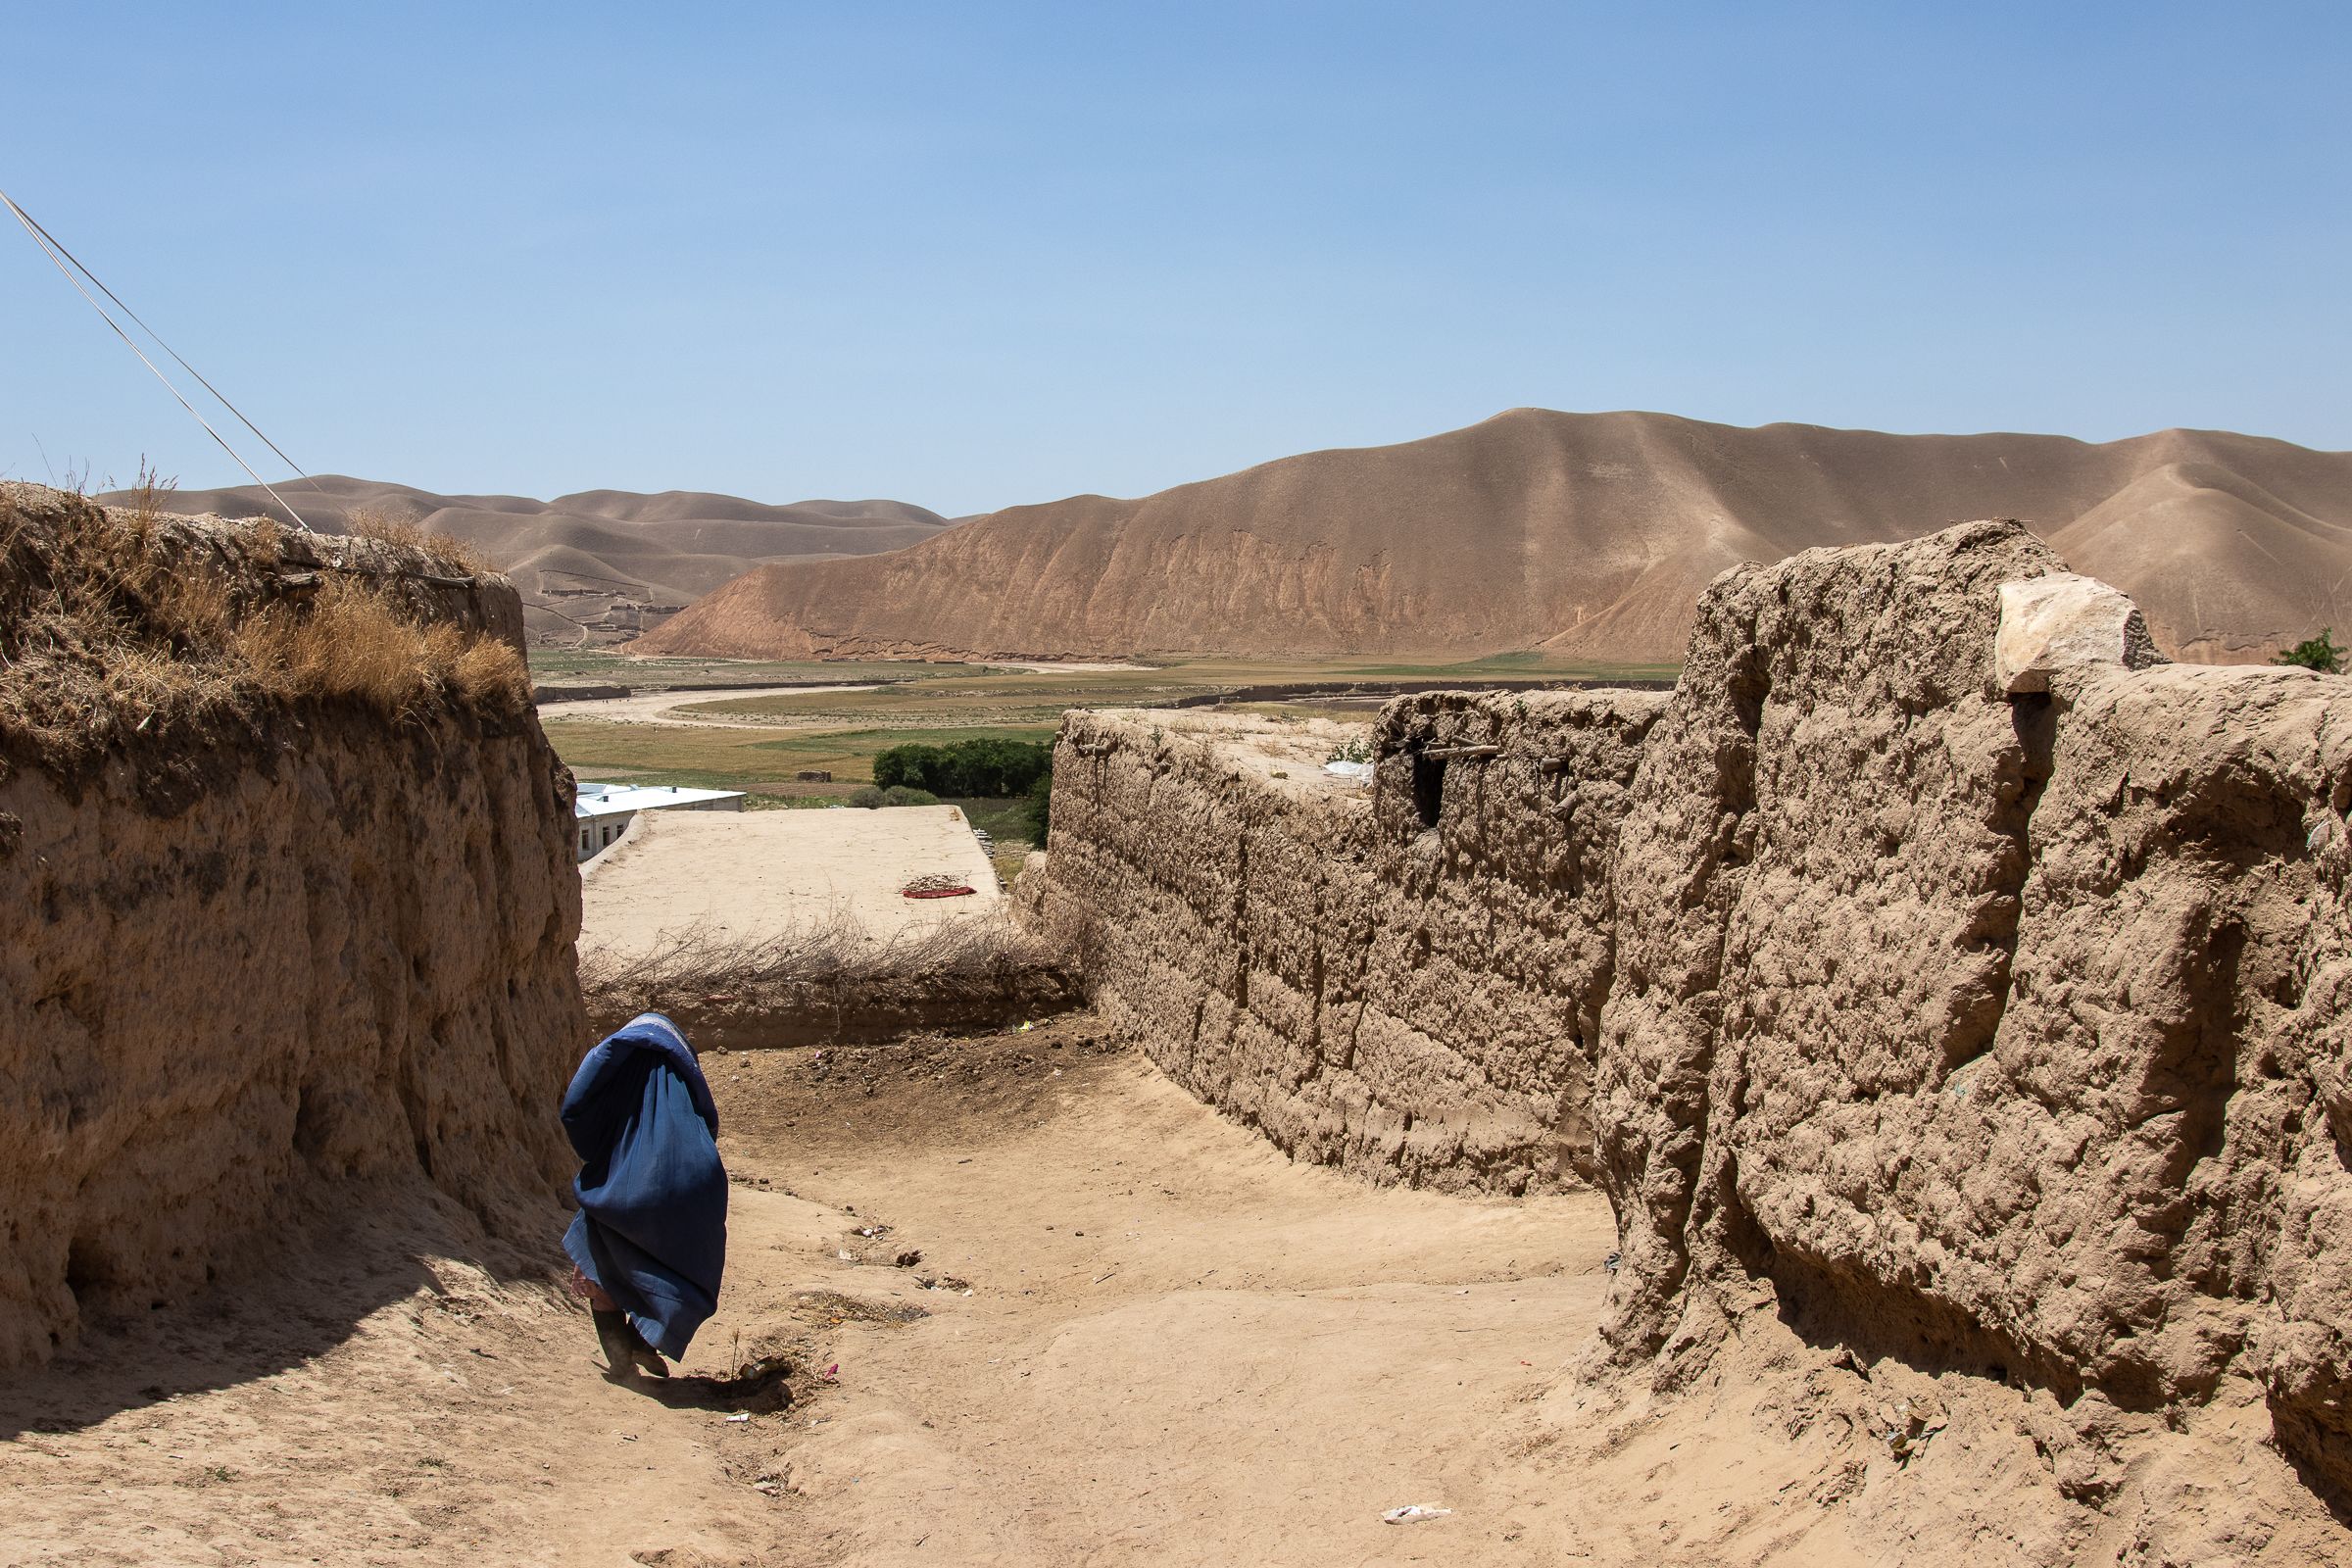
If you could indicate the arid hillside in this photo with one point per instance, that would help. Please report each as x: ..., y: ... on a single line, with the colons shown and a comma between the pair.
x: 1588, y: 537
x: 602, y: 562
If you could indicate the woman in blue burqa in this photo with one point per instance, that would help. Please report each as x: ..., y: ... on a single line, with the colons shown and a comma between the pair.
x: 651, y: 1236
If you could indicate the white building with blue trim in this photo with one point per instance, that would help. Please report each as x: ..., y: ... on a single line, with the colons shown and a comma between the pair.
x: 604, y: 812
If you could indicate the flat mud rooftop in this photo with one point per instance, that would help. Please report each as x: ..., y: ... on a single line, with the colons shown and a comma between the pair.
x: 748, y: 876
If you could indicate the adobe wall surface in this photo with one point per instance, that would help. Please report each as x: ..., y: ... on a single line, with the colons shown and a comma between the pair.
x: 1966, y: 989
x: 246, y: 957
x: 2002, y: 1028
x: 1405, y: 985
x: 1824, y: 857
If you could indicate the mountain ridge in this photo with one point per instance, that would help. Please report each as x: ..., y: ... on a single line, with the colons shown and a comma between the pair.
x: 597, y: 565
x: 1587, y: 536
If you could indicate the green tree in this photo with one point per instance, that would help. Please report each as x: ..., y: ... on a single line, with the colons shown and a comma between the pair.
x: 874, y: 796
x: 975, y: 768
x: 912, y: 765
x: 2318, y: 652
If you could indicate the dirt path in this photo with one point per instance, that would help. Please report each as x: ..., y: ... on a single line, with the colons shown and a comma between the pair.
x: 1134, y: 1335
x: 1058, y: 669
x: 1176, y: 1347
x: 665, y: 708
x: 1179, y: 1348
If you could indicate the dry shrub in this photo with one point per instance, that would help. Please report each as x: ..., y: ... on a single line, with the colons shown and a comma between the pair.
x: 197, y: 605
x: 446, y: 550
x: 354, y: 641
x: 99, y: 630
x: 491, y: 677
x: 124, y: 621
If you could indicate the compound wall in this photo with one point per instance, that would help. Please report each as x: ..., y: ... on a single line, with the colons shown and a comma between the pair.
x: 1936, y: 964
x: 250, y: 959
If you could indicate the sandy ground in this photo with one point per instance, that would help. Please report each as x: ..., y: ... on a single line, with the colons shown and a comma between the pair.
x: 1033, y: 1305
x: 750, y: 875
x: 1135, y: 1334
x: 666, y: 707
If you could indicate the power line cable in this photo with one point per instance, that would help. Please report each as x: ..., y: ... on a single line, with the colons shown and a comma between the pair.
x: 59, y: 256
x: 142, y: 325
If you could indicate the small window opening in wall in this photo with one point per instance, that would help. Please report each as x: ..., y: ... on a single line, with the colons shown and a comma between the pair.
x: 83, y: 1270
x: 1429, y: 788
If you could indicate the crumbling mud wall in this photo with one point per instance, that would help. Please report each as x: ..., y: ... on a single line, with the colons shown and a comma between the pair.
x: 1980, y: 991
x: 287, y: 893
x: 1825, y: 853
x: 1938, y: 968
x: 832, y: 984
x: 1405, y: 981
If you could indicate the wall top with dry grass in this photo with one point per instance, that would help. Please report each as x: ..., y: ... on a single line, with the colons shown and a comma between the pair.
x: 125, y: 627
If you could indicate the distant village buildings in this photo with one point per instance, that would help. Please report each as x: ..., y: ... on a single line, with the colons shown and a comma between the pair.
x: 602, y: 812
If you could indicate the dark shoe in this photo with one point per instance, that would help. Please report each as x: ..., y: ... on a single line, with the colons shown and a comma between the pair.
x: 626, y: 1352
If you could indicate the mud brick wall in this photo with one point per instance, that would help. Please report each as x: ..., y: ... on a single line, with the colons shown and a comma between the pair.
x: 304, y: 950
x: 1992, y: 1016
x: 1403, y: 981
x: 1938, y: 967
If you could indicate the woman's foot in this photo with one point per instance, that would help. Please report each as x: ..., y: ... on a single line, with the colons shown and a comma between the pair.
x: 626, y: 1350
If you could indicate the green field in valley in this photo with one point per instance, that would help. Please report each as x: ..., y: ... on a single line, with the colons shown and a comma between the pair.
x: 765, y: 742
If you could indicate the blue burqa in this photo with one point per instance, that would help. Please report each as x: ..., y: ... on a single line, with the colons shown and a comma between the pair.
x: 651, y: 1230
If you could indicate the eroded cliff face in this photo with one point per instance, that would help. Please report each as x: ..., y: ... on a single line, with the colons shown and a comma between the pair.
x: 1405, y: 981
x: 259, y: 942
x: 1964, y: 992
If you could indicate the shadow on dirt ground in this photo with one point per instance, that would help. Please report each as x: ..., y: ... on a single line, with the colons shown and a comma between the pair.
x: 1009, y: 1297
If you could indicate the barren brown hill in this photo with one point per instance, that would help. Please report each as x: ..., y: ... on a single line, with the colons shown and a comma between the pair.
x: 602, y: 563
x: 1587, y: 536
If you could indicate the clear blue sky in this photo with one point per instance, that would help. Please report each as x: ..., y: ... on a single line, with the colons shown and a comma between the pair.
x: 972, y: 254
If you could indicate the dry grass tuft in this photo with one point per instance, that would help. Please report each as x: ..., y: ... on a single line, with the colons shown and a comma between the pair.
x: 489, y: 676
x: 122, y: 621
x: 354, y: 641
x: 446, y: 550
